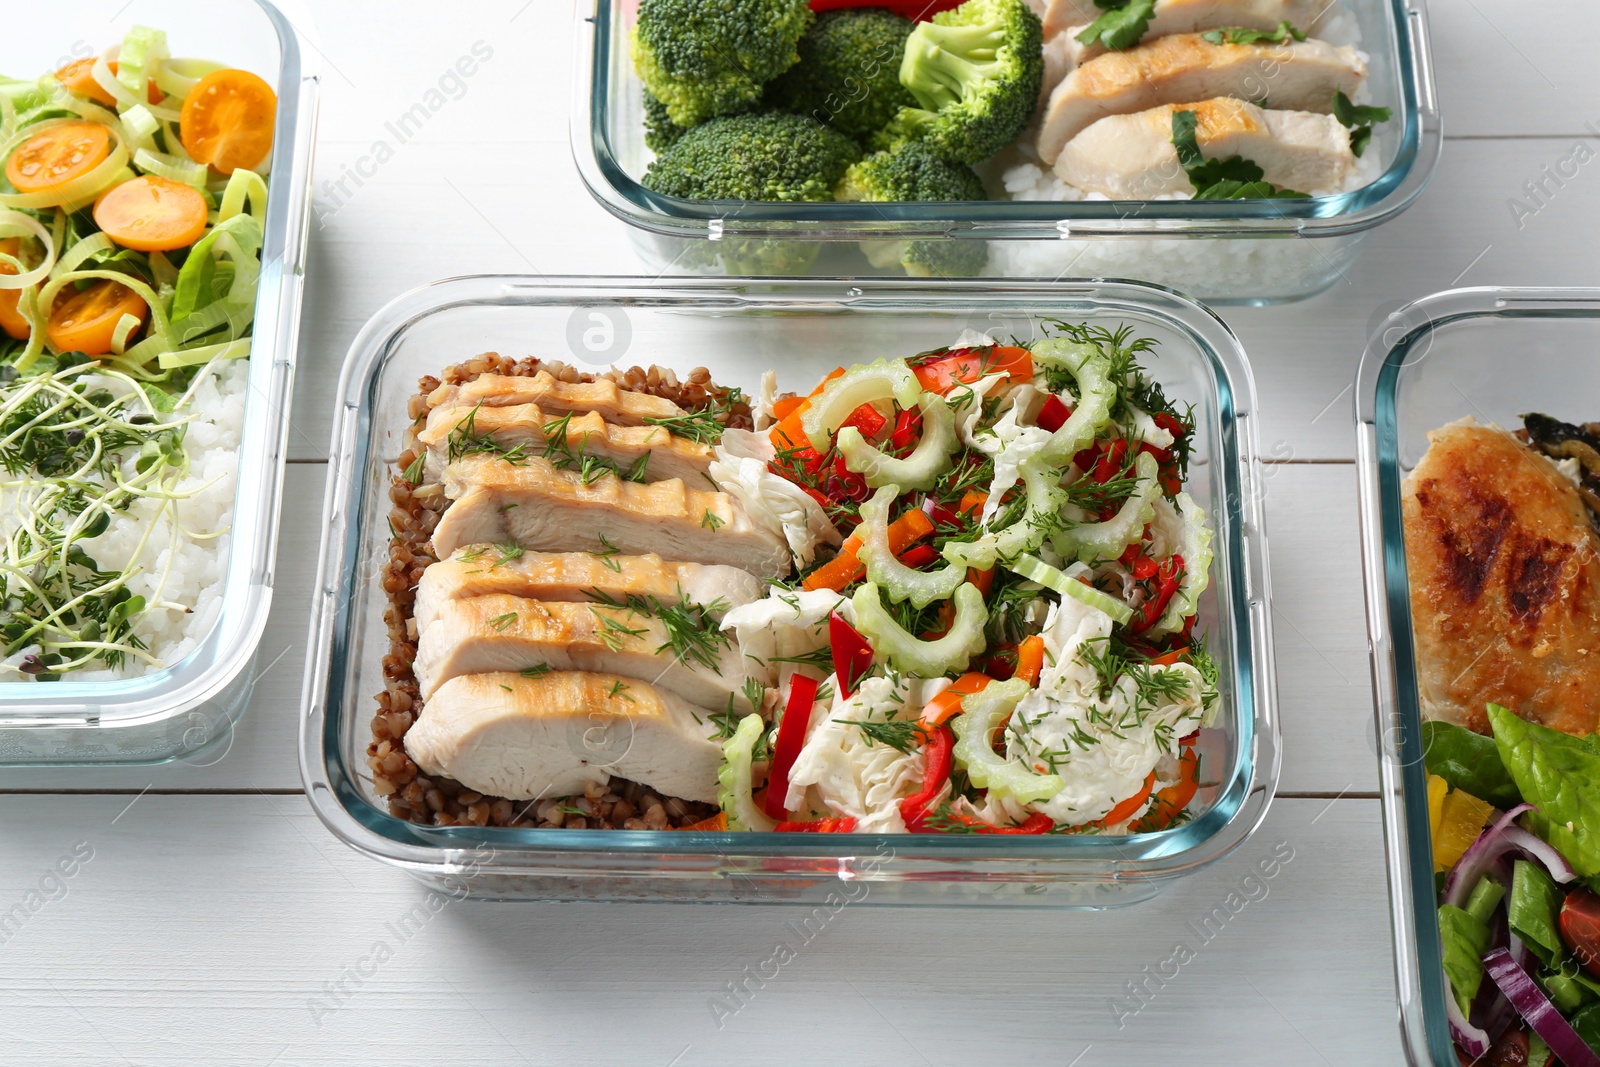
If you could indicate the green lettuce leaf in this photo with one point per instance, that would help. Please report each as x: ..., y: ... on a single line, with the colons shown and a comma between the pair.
x: 1533, y: 910
x: 1469, y: 762
x: 1464, y: 940
x: 1560, y: 776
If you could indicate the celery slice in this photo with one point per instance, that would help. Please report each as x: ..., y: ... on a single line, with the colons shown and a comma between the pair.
x: 923, y: 659
x: 882, y: 379
x: 734, y: 781
x: 926, y: 463
x: 982, y: 714
x: 897, y: 580
x: 1037, y: 570
x: 1107, y: 540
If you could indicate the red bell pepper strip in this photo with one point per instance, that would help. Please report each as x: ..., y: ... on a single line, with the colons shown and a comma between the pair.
x: 1053, y: 415
x: 791, y: 738
x: 920, y: 556
x: 907, y: 429
x: 938, y: 757
x: 921, y: 10
x: 866, y: 419
x: 1156, y: 604
x: 838, y: 825
x: 1170, y: 423
x: 852, y: 655
x: 941, y: 372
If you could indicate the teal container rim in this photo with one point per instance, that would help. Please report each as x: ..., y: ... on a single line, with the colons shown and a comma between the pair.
x: 1341, y: 214
x: 333, y: 787
x: 1404, y: 337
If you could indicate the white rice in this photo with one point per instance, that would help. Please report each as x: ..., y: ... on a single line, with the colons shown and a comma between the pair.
x: 179, y: 547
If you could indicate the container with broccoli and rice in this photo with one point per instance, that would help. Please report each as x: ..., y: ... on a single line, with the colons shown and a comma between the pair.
x: 1238, y: 151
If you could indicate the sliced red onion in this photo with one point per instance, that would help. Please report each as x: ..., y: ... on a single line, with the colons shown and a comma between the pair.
x: 1480, y: 856
x: 1471, y: 1040
x: 1543, y: 851
x: 1489, y: 1010
x: 1535, y: 1008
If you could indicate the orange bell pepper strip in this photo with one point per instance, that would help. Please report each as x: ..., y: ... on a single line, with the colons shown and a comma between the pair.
x: 946, y: 704
x: 1169, y: 658
x: 1171, y: 801
x: 788, y: 433
x: 1030, y: 659
x: 969, y: 364
x: 846, y: 567
x: 714, y: 824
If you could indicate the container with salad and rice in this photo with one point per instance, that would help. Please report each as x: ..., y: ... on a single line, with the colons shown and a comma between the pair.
x: 1239, y: 150
x: 1483, y: 543
x: 966, y: 594
x: 151, y: 213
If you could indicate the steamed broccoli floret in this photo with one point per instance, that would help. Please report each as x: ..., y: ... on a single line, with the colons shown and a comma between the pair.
x: 849, y: 71
x: 976, y: 72
x: 703, y: 58
x: 912, y: 171
x: 768, y: 156
x: 659, y: 129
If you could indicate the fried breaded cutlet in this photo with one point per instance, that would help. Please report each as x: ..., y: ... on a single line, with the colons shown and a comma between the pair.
x: 1505, y: 583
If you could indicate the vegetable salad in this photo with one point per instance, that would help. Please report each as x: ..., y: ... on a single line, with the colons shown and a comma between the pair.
x: 131, y: 210
x: 1516, y: 844
x: 993, y: 626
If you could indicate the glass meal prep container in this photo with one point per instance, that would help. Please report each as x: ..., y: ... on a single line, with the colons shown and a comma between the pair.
x: 1494, y: 354
x: 1246, y: 252
x: 738, y: 329
x: 181, y: 709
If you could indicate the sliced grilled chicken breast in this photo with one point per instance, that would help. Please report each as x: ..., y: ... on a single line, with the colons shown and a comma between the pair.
x: 1130, y: 157
x: 499, y: 632
x: 613, y: 403
x: 1299, y: 76
x: 1069, y: 17
x: 1505, y: 583
x: 480, y: 570
x: 526, y: 738
x: 540, y: 507
x: 527, y: 429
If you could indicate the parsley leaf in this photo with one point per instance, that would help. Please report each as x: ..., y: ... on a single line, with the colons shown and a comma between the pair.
x: 1359, y: 118
x: 1234, y: 178
x: 1244, y: 35
x: 1122, y: 25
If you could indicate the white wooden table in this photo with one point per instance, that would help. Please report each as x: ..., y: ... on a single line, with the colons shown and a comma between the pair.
x: 217, y: 921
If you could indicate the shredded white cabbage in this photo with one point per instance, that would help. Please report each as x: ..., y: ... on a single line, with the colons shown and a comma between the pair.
x: 848, y: 773
x: 786, y: 624
x: 740, y: 470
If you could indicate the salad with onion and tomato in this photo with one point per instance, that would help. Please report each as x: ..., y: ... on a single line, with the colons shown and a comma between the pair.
x: 992, y: 630
x: 132, y: 204
x: 1516, y: 849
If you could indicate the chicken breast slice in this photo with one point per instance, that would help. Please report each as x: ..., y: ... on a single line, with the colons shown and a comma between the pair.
x: 1130, y: 157
x: 480, y: 570
x: 1069, y: 17
x: 500, y: 632
x: 1298, y: 76
x: 528, y: 738
x: 527, y: 429
x: 613, y: 403
x: 540, y: 507
x: 1505, y: 583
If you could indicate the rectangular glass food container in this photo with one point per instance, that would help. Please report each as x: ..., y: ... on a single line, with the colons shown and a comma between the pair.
x: 1495, y: 354
x: 802, y: 329
x: 182, y: 709
x: 1246, y: 252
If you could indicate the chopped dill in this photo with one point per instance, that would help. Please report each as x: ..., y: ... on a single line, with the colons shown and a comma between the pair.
x: 901, y: 734
x: 607, y: 553
x: 538, y: 670
x: 711, y: 521
x: 413, y: 472
x: 501, y: 622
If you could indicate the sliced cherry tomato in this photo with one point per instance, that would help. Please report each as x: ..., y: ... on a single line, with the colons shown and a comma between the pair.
x: 152, y: 214
x: 57, y: 155
x: 1053, y: 415
x: 1580, y: 928
x: 227, y: 120
x: 78, y: 77
x: 87, y: 322
x: 11, y: 320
